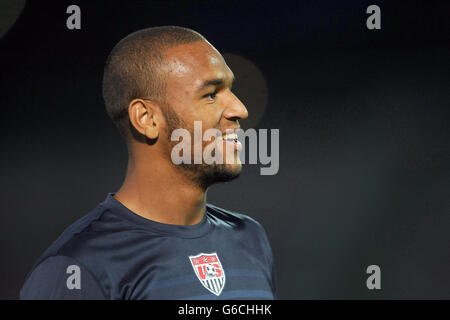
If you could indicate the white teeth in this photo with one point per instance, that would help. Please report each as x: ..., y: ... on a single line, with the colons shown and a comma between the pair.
x: 231, y: 136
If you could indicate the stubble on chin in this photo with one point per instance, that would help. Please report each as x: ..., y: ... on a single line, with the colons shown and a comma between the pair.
x: 203, y: 174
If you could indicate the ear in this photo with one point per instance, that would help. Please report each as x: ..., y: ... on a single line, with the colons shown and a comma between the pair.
x: 143, y: 117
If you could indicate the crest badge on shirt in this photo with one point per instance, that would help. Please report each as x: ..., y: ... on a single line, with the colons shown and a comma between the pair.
x: 209, y: 271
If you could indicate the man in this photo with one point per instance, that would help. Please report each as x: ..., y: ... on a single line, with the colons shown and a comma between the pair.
x: 157, y: 238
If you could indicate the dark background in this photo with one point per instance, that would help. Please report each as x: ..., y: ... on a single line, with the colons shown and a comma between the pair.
x: 364, y: 134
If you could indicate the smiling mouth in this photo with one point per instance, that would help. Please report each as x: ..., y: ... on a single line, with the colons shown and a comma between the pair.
x: 231, y: 137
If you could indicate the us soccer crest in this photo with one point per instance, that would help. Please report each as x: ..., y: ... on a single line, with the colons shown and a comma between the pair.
x: 209, y: 271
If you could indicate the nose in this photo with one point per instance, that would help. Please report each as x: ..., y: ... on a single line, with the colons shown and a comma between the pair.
x: 235, y: 109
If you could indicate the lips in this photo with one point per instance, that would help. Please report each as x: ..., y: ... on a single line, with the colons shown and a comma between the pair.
x: 232, y: 138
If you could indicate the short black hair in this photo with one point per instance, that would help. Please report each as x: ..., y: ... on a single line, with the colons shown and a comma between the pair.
x: 132, y: 69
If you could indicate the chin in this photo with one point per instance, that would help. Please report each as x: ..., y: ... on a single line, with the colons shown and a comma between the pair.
x: 224, y: 173
x: 232, y: 170
x: 207, y: 175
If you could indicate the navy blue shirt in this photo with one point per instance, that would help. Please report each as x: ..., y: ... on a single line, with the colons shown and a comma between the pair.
x: 113, y: 253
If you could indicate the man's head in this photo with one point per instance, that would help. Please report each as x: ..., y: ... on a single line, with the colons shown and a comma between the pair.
x: 159, y: 79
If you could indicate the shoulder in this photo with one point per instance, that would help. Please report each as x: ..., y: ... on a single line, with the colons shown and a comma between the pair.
x: 70, y: 248
x: 226, y: 218
x: 72, y: 234
x: 84, y: 246
x: 61, y: 278
x: 247, y: 232
x: 229, y: 216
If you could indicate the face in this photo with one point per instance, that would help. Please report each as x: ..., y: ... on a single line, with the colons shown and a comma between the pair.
x: 199, y: 89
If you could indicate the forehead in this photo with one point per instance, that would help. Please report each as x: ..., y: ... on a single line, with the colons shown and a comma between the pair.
x: 190, y: 65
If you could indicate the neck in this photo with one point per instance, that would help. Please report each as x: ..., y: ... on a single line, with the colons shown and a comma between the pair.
x: 158, y: 191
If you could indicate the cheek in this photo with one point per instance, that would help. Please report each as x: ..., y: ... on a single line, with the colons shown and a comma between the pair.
x: 212, y: 116
x: 206, y: 115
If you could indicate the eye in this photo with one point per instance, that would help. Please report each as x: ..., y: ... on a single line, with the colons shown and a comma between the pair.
x: 211, y: 95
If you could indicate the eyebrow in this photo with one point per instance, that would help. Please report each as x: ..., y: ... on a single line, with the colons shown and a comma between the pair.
x: 213, y: 82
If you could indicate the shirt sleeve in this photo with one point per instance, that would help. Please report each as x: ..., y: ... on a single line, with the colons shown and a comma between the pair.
x: 272, y: 267
x: 270, y: 259
x: 61, y: 278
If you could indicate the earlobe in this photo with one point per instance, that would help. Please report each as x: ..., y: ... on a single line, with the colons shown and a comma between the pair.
x: 151, y: 121
x: 142, y: 117
x: 151, y: 130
